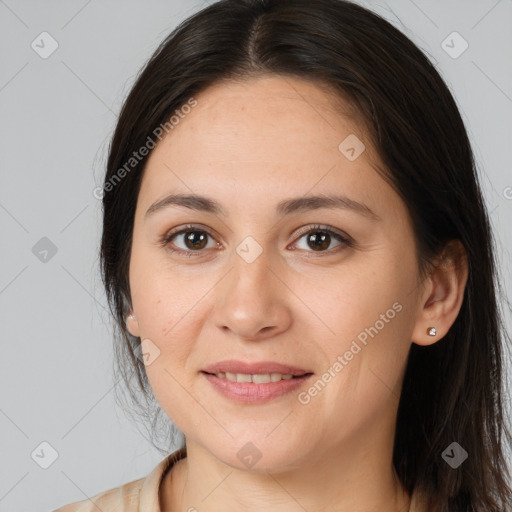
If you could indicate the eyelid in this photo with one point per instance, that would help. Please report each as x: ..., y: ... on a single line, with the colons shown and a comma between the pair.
x: 322, y: 227
x: 182, y: 229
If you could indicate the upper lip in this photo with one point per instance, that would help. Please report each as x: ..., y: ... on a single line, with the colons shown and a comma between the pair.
x: 260, y: 367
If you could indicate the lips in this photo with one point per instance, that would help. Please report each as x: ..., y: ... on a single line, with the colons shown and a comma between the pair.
x: 261, y: 367
x: 255, y: 383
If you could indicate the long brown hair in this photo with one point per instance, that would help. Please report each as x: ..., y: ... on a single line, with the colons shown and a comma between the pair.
x: 454, y: 389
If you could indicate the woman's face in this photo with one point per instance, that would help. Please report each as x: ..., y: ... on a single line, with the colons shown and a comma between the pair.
x: 257, y: 282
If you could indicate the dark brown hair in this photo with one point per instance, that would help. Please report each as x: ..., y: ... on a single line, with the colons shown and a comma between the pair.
x: 453, y: 390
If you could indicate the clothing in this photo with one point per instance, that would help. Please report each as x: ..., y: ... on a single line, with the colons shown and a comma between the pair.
x: 137, y: 496
x: 142, y: 495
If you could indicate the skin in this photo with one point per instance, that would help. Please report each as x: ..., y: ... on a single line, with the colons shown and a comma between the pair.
x: 249, y: 146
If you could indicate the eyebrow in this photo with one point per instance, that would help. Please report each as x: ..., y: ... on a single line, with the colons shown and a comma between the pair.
x: 286, y: 207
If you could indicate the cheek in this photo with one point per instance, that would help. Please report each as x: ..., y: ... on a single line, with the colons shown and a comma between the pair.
x: 165, y: 300
x: 171, y: 325
x: 361, y: 301
x: 168, y: 312
x: 370, y: 324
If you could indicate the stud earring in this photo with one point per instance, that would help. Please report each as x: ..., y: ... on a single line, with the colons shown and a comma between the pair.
x: 431, y: 331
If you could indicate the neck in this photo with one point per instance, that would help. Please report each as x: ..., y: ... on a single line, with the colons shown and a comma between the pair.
x: 364, y: 481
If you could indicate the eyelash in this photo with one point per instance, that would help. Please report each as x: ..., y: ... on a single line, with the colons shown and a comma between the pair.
x: 166, y: 239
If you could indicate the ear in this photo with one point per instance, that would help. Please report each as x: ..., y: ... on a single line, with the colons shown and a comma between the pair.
x: 132, y: 324
x: 443, y: 294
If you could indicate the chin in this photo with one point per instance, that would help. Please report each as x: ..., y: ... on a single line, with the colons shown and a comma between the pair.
x: 259, y: 456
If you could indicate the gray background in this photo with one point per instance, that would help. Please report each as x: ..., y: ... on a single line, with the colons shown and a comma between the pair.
x: 57, y: 115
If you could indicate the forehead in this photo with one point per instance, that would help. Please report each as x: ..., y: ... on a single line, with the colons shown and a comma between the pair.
x: 275, y: 94
x: 272, y: 135
x: 283, y: 112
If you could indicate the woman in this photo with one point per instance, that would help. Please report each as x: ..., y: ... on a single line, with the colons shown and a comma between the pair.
x: 299, y: 260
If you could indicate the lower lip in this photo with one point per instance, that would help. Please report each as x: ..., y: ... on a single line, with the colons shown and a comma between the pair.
x: 248, y: 392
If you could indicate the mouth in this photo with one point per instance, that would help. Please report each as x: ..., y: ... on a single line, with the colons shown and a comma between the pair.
x: 257, y: 372
x: 257, y: 378
x: 255, y: 383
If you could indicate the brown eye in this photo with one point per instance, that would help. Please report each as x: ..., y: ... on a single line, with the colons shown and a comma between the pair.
x: 319, y: 239
x: 188, y: 241
x: 195, y: 240
x: 192, y: 241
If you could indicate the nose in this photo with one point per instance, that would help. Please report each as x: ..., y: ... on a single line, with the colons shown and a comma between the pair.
x: 252, y: 302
